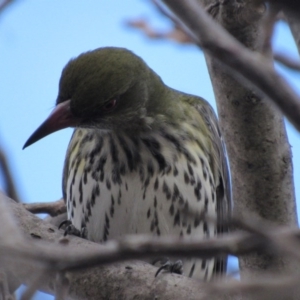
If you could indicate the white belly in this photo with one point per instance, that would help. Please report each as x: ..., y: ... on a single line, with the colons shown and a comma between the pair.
x: 145, y: 200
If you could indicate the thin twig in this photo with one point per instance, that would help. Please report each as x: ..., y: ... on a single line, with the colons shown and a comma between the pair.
x: 51, y: 208
x: 4, y: 289
x: 35, y: 284
x: 177, y: 23
x: 4, y: 4
x: 287, y: 61
x: 61, y: 286
x: 10, y: 186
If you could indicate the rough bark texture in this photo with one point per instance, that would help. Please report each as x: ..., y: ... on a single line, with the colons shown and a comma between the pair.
x: 259, y: 152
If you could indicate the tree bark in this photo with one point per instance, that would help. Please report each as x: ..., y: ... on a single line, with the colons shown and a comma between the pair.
x: 258, y: 148
x: 254, y: 131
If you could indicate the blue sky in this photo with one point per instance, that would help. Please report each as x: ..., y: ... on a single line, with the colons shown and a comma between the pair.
x: 37, y: 38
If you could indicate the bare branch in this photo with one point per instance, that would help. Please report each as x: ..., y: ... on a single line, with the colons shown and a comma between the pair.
x: 287, y: 61
x: 251, y: 65
x: 132, y: 278
x: 179, y: 33
x: 62, y: 286
x: 4, y: 290
x: 34, y: 285
x: 51, y: 208
x: 119, y: 281
x: 4, y: 4
x: 10, y: 188
x: 291, y: 5
x: 175, y: 34
x: 268, y: 28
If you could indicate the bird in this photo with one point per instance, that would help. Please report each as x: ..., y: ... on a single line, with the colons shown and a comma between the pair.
x: 144, y: 158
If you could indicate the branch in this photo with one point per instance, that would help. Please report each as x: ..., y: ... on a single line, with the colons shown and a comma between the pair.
x: 10, y: 187
x: 294, y: 23
x: 287, y: 61
x: 4, y: 4
x: 51, y: 208
x: 126, y: 280
x: 252, y: 66
x: 178, y: 33
x: 256, y: 141
x: 4, y: 289
x: 290, y: 5
x: 43, y: 259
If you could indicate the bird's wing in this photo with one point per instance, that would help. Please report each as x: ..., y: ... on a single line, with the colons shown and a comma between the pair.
x: 224, y: 202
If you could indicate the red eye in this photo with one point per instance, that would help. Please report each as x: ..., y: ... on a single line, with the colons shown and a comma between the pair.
x: 110, y: 105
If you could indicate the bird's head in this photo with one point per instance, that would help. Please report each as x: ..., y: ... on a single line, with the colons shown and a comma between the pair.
x: 106, y: 88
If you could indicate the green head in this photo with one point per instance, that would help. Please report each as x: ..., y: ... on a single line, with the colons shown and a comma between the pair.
x: 105, y: 88
x: 103, y: 83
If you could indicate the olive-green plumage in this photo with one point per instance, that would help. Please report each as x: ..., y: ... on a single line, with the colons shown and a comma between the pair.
x: 143, y: 159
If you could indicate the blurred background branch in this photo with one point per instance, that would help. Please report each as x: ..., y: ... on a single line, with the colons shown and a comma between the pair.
x: 10, y: 187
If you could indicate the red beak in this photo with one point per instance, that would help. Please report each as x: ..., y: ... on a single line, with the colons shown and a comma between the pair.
x: 60, y: 118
